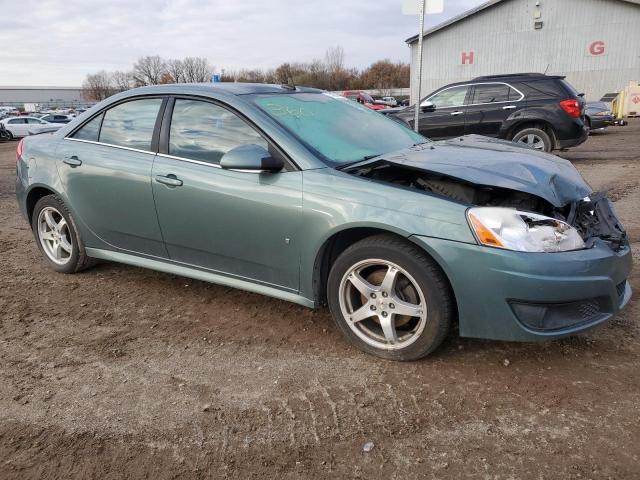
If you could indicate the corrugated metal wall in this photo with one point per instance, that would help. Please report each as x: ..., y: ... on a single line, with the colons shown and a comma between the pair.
x: 503, y: 40
x: 17, y: 96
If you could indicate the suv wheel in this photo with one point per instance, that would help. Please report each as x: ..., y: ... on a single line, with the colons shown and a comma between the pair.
x: 535, y: 138
x: 390, y: 298
x: 57, y: 236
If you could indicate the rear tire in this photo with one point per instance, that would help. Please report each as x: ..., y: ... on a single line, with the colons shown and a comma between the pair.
x: 57, y: 236
x: 534, y: 138
x: 404, y: 307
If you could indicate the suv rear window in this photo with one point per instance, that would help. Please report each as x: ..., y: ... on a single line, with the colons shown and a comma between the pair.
x: 570, y: 88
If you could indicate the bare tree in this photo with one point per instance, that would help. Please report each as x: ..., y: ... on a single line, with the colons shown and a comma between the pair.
x: 148, y: 70
x: 196, y: 70
x: 175, y: 68
x: 385, y: 75
x: 121, y: 81
x: 97, y: 86
x: 334, y: 59
x: 329, y: 73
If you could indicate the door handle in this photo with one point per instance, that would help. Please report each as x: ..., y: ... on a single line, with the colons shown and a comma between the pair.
x: 509, y: 107
x: 456, y: 113
x: 170, y: 180
x: 73, y: 161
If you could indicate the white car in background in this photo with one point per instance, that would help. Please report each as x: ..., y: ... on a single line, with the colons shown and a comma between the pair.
x: 22, y: 126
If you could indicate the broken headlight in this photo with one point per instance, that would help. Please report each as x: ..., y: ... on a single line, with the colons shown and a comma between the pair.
x: 511, y: 229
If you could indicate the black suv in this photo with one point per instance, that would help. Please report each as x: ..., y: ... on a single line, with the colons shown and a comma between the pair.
x: 542, y: 111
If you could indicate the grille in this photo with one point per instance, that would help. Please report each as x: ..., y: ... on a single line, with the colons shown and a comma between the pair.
x: 620, y: 288
x: 588, y: 309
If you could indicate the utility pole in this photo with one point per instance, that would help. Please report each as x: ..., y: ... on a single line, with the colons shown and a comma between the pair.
x: 421, y: 8
x: 416, y: 117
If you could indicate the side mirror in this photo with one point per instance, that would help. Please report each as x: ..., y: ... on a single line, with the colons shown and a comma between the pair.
x: 428, y: 106
x: 252, y: 158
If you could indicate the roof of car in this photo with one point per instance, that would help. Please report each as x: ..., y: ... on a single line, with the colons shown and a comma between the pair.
x: 518, y: 76
x: 507, y: 77
x: 229, y: 88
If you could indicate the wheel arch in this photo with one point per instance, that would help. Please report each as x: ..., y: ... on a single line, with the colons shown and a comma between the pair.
x: 544, y: 125
x: 34, y: 194
x: 339, y: 241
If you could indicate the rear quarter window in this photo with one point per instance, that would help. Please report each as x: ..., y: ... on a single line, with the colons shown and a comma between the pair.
x: 89, y: 131
x: 541, y: 89
x: 131, y: 124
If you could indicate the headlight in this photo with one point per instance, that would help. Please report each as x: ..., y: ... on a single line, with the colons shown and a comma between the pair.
x: 511, y: 229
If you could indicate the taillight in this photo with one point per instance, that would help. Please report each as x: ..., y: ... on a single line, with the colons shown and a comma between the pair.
x: 571, y: 107
x: 19, y: 149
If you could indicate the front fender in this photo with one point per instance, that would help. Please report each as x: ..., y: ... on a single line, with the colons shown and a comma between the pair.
x: 334, y: 202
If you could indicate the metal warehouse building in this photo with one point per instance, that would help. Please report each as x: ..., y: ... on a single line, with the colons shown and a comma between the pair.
x: 48, y: 97
x: 595, y: 43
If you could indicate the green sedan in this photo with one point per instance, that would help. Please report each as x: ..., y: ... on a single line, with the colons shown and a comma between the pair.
x: 305, y: 196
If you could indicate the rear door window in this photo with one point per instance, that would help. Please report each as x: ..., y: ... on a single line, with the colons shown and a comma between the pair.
x: 204, y: 131
x: 493, y: 93
x: 131, y: 124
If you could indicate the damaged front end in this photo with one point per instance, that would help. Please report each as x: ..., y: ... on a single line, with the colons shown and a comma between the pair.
x: 592, y: 216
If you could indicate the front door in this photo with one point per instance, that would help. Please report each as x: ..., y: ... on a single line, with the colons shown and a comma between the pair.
x: 105, y: 168
x: 18, y: 127
x: 447, y: 119
x: 242, y: 224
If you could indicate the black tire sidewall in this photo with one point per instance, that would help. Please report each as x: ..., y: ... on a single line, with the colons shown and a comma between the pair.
x: 432, y: 283
x: 74, y: 263
x: 546, y: 139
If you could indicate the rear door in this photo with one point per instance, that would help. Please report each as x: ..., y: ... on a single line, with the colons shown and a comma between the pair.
x: 448, y: 118
x: 105, y: 167
x: 490, y: 108
x: 239, y: 223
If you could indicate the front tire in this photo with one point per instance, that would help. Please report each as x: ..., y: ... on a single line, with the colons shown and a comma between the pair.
x: 390, y: 298
x: 57, y: 236
x: 534, y: 138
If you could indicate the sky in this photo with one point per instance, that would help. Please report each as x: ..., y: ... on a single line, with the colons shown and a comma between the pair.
x: 58, y: 42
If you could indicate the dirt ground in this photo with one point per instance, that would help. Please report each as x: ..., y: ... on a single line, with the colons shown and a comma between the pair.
x: 120, y: 372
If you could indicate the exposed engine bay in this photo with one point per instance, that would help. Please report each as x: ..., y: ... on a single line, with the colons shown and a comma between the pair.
x: 592, y: 217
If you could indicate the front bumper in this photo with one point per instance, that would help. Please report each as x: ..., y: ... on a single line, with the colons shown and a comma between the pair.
x: 505, y: 295
x: 601, y: 121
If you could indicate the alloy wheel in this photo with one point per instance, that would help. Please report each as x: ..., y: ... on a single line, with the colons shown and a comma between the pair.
x: 383, y: 304
x: 532, y: 140
x: 54, y: 235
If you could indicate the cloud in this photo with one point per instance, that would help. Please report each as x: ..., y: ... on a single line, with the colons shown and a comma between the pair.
x: 63, y: 40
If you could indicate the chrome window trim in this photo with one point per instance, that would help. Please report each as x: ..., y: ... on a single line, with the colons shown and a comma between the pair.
x: 110, y: 145
x: 207, y: 164
x: 188, y: 160
x: 473, y: 85
x: 173, y: 157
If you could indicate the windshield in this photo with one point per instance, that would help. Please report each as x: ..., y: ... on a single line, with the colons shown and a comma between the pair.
x: 338, y: 130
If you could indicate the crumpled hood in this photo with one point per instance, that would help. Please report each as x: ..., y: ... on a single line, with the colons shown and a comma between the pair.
x: 497, y: 163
